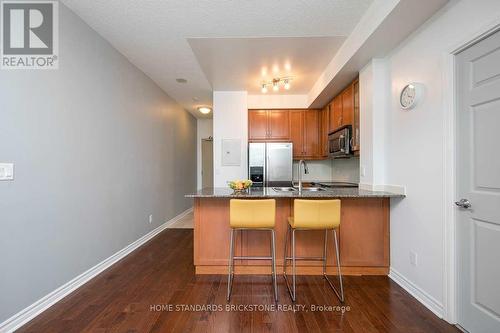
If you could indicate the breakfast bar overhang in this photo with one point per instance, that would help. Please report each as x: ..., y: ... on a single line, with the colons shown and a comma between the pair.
x: 363, y: 234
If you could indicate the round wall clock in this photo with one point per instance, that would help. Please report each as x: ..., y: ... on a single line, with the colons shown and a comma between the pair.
x: 410, y: 95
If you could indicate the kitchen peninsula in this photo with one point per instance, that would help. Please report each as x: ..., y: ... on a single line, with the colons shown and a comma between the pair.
x: 364, y: 232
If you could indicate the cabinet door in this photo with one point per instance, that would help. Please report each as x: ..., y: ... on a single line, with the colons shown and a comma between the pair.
x: 348, y: 106
x: 297, y: 132
x: 257, y: 125
x: 324, y: 128
x: 311, y: 133
x: 355, y: 125
x: 336, y: 122
x: 331, y: 118
x: 278, y: 122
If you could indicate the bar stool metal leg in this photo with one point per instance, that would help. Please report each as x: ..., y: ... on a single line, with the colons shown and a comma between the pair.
x: 273, y: 254
x: 341, y: 294
x: 294, y: 266
x: 286, y: 257
x: 230, y: 274
x: 338, y: 266
x: 325, y: 249
x: 272, y: 257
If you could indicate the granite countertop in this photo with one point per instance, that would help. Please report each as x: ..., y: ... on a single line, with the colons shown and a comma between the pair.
x: 268, y: 192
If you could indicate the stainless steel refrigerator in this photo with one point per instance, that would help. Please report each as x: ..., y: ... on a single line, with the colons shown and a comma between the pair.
x: 270, y: 164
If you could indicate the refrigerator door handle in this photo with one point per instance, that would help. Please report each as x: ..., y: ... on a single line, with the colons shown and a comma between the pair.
x: 266, y: 164
x: 267, y: 170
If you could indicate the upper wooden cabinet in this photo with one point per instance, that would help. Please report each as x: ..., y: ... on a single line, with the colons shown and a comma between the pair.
x: 355, y: 125
x: 308, y: 129
x: 304, y: 130
x: 268, y: 125
x: 257, y: 125
x: 296, y: 132
x: 336, y: 113
x: 324, y: 129
x: 311, y: 134
x: 278, y: 122
x: 344, y: 110
x: 347, y: 106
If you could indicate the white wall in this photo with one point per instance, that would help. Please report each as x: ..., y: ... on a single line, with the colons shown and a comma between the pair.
x: 374, y: 98
x: 204, y: 130
x: 230, y: 121
x: 97, y: 147
x: 416, y: 143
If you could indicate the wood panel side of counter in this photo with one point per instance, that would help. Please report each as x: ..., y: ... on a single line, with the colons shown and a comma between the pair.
x: 363, y: 235
x: 211, y: 232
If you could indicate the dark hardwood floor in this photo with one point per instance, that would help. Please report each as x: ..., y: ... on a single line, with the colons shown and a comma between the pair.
x: 128, y: 298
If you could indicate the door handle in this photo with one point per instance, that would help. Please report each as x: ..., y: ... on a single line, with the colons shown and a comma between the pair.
x: 463, y: 203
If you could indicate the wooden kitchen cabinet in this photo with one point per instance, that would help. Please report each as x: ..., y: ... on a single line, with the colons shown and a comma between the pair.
x: 336, y: 113
x: 341, y: 111
x: 355, y: 125
x: 257, y: 125
x: 304, y: 133
x: 297, y: 132
x: 347, y: 106
x: 324, y: 130
x: 311, y: 134
x: 307, y: 129
x: 268, y: 125
x: 278, y: 124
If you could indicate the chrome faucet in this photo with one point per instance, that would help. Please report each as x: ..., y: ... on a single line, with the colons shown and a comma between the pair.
x: 306, y: 171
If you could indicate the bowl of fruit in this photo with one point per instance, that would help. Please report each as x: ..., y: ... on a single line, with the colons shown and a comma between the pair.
x: 240, y: 186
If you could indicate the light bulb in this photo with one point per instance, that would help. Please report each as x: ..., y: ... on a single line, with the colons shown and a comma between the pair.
x: 275, y: 86
x: 205, y: 109
x: 264, y: 89
x: 287, y: 85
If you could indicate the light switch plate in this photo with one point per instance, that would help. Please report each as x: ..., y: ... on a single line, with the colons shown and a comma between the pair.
x: 6, y: 171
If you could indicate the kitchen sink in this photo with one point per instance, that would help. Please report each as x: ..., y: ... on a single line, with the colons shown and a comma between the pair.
x: 284, y: 189
x: 312, y: 189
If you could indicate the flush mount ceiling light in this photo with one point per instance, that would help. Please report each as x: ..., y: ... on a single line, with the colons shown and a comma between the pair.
x: 204, y: 109
x: 276, y: 83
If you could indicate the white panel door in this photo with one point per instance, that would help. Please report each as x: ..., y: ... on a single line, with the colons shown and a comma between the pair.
x: 478, y: 185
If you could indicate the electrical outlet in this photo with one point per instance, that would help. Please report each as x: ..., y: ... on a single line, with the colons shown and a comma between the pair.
x: 413, y: 258
x: 151, y: 218
x: 363, y: 171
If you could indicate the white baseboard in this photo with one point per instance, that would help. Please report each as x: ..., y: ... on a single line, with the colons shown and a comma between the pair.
x: 27, y: 314
x: 423, y: 297
x: 398, y: 189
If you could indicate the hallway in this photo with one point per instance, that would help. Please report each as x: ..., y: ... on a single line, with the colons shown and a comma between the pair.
x: 135, y: 294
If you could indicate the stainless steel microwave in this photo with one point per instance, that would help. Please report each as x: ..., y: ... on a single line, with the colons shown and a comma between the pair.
x: 339, y: 142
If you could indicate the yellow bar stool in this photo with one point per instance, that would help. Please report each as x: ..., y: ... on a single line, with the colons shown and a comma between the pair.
x: 313, y: 215
x: 252, y: 215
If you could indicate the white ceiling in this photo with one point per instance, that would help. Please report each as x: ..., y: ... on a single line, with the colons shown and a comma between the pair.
x: 245, y: 63
x: 156, y: 35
